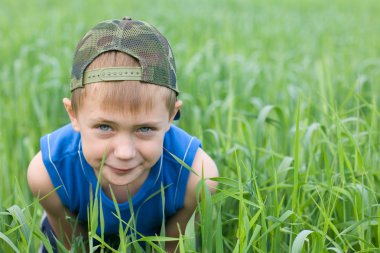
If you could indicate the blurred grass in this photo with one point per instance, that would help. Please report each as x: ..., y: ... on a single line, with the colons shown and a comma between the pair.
x: 244, y: 67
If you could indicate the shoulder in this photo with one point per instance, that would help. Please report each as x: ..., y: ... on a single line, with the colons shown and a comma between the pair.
x: 179, y: 144
x: 61, y: 141
x: 41, y: 185
x: 59, y: 153
x: 189, y: 149
x: 59, y: 161
x: 38, y: 178
x: 203, y: 167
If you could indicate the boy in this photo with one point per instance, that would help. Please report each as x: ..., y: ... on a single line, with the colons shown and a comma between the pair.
x: 123, y: 101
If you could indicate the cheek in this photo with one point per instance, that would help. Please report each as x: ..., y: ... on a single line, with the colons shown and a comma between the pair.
x: 93, y: 152
x: 151, y: 151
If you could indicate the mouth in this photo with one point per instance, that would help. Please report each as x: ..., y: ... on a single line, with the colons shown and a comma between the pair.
x: 119, y: 170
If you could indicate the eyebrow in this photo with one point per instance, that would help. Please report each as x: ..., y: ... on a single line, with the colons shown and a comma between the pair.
x: 101, y: 119
x: 143, y: 123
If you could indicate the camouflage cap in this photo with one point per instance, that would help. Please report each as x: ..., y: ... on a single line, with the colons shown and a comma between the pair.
x: 136, y: 38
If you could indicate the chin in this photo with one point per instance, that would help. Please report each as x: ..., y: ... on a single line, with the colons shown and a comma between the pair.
x: 119, y: 182
x: 124, y: 179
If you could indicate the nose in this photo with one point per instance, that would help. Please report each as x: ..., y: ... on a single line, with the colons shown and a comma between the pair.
x: 125, y: 148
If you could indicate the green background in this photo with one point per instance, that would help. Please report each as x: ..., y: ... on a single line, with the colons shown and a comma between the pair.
x: 283, y: 94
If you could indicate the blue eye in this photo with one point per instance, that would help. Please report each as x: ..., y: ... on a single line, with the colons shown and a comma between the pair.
x: 104, y: 128
x: 145, y: 129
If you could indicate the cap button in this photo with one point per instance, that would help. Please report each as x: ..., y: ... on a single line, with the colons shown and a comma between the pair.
x: 127, y: 18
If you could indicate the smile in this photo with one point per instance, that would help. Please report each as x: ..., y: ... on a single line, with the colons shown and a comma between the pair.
x: 120, y: 171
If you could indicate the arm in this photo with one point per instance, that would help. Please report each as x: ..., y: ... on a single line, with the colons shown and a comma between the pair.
x: 201, y: 162
x: 40, y: 184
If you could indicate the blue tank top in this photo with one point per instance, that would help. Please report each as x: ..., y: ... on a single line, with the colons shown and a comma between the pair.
x: 76, y: 181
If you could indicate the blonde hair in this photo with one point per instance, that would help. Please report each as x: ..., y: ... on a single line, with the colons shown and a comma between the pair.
x: 132, y: 96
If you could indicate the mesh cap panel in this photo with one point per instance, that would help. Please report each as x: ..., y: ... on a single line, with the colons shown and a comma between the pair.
x: 136, y: 38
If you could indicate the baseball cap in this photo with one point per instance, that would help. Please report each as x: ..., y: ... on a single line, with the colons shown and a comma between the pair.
x: 136, y: 38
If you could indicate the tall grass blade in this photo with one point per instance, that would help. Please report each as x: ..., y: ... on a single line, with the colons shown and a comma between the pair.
x: 299, y: 241
x: 9, y: 242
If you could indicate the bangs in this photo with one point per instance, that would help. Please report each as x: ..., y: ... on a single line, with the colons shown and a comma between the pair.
x: 130, y: 97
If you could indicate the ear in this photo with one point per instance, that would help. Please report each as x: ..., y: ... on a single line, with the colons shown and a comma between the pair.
x: 73, y: 117
x: 177, y: 106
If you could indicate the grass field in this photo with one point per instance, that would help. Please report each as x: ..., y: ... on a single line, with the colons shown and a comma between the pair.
x: 283, y: 94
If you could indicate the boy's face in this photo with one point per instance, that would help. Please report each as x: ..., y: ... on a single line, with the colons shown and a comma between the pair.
x: 132, y: 143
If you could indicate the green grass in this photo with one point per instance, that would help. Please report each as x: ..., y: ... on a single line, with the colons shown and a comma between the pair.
x: 283, y: 94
